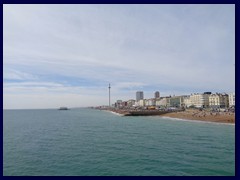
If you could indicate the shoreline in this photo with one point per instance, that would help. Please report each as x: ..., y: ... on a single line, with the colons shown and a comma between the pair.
x: 193, y: 115
x: 197, y: 121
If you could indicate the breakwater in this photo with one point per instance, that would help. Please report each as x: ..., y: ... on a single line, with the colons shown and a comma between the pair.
x: 141, y: 112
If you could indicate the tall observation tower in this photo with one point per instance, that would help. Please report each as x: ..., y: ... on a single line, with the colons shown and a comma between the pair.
x: 109, y: 87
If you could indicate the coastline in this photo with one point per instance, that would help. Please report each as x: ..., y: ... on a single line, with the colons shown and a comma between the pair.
x: 198, y: 121
x: 195, y: 115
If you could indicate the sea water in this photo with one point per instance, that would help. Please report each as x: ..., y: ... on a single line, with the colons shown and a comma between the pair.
x: 88, y: 142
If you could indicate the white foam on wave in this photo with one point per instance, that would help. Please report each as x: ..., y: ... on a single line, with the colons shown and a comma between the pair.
x: 116, y: 113
x: 197, y: 121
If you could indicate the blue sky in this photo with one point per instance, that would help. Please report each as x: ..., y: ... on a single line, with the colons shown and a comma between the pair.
x: 65, y: 55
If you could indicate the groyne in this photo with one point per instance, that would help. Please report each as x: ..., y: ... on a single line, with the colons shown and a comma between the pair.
x: 140, y: 112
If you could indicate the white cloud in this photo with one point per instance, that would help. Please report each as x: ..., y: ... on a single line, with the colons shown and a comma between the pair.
x: 11, y: 74
x: 130, y: 46
x: 129, y: 85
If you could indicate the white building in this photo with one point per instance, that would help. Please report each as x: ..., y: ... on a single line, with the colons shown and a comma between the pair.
x: 150, y: 102
x: 161, y: 102
x: 158, y: 102
x: 200, y: 100
x: 137, y: 103
x: 231, y: 97
x: 187, y: 101
x: 130, y: 102
x: 142, y: 102
x: 118, y: 103
x: 218, y: 100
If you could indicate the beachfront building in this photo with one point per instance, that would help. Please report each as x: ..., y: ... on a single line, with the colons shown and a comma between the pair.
x: 176, y: 101
x: 162, y: 102
x: 187, y: 101
x: 139, y: 95
x: 157, y: 101
x: 130, y: 102
x: 156, y: 95
x: 124, y: 104
x: 231, y: 97
x: 150, y: 102
x: 118, y: 104
x: 142, y: 102
x: 218, y: 100
x: 146, y: 102
x: 137, y: 103
x: 200, y: 100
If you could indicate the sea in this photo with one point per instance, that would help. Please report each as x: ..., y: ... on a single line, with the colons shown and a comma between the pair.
x: 89, y: 142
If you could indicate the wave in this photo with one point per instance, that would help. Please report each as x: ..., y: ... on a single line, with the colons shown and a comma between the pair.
x: 116, y: 113
x: 113, y: 112
x: 197, y: 121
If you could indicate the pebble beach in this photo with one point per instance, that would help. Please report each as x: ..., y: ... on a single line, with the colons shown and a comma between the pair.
x: 220, y: 117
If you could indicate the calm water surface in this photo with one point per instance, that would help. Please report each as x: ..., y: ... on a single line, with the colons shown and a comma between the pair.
x: 92, y: 142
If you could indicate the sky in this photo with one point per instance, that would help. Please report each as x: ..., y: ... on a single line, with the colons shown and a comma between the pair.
x: 66, y: 55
